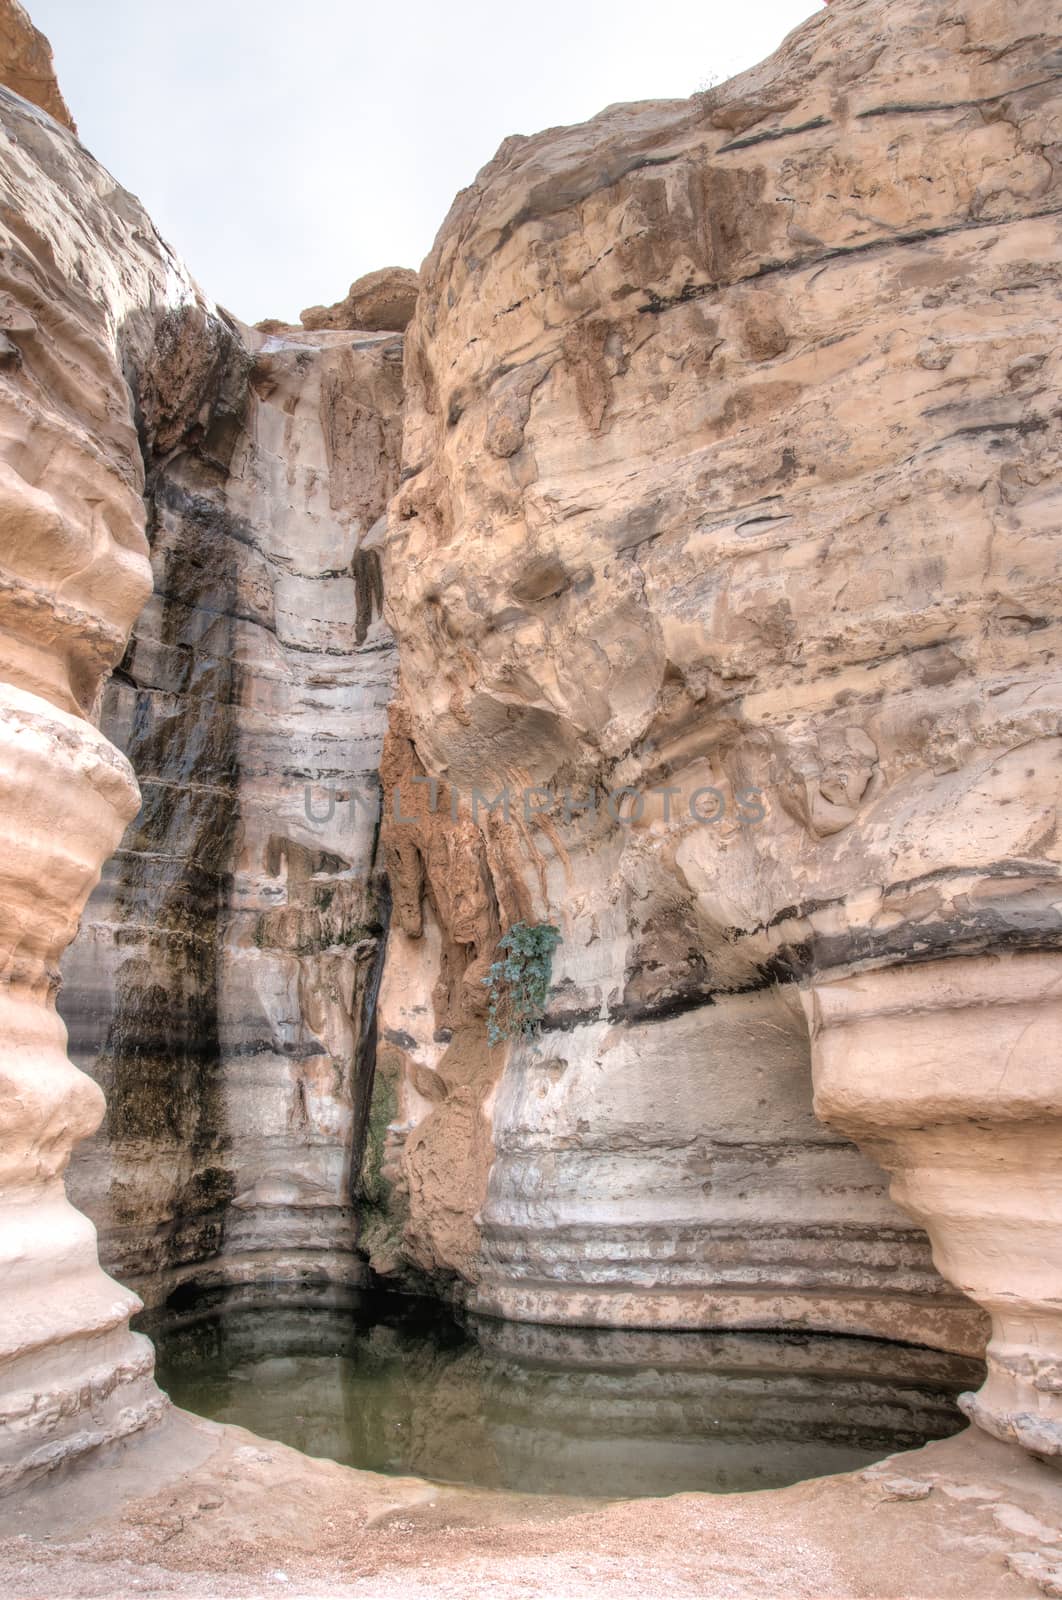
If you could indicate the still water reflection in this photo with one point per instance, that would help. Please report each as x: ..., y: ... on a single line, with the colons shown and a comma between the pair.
x: 552, y: 1410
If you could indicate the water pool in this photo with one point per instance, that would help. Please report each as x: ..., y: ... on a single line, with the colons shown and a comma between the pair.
x: 395, y: 1388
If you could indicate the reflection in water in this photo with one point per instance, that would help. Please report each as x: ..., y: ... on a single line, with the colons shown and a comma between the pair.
x: 557, y: 1410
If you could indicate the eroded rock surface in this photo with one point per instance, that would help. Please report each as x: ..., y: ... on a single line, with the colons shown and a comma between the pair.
x: 220, y: 990
x: 380, y: 302
x: 723, y: 568
x: 731, y: 470
x: 221, y: 987
x: 972, y: 1141
x: 84, y: 281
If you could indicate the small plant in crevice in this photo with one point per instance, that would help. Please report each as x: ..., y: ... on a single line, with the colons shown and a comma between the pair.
x: 519, y: 983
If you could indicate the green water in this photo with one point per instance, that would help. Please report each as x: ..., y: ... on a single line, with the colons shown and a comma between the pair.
x: 557, y: 1411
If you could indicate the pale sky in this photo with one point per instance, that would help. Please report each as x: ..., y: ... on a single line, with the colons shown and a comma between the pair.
x: 284, y: 147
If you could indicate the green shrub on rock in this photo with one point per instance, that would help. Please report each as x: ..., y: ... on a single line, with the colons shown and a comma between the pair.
x: 519, y: 984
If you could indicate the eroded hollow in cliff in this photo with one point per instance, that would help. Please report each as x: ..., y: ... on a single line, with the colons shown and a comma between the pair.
x: 398, y: 1386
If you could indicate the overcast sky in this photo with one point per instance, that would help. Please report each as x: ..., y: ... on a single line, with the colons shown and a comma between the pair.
x: 285, y: 147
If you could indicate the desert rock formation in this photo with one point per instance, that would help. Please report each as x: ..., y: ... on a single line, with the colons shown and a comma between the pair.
x: 731, y: 470
x: 26, y: 64
x: 719, y: 551
x: 380, y: 302
x: 219, y: 988
x: 85, y: 279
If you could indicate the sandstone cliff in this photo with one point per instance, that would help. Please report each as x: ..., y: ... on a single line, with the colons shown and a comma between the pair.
x: 219, y: 988
x: 222, y: 986
x: 731, y: 470
x: 85, y: 284
x: 722, y: 568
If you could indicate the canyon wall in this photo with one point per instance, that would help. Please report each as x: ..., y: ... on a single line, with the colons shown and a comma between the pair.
x: 722, y: 569
x: 85, y: 280
x: 731, y: 470
x: 220, y: 988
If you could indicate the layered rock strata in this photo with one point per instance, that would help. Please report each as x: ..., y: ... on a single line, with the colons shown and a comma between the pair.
x: 83, y: 280
x: 730, y: 491
x: 722, y: 568
x: 220, y: 990
x: 971, y: 1135
x: 222, y: 986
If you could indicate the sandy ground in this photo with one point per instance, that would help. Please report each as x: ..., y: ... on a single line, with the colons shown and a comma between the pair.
x: 198, y: 1509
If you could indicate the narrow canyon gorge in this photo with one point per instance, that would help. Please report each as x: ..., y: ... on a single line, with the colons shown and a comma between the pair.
x: 668, y: 573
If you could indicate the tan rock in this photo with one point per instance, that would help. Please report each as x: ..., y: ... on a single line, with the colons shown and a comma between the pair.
x: 275, y: 325
x: 72, y: 1376
x: 723, y: 571
x: 219, y: 989
x: 26, y: 64
x: 381, y: 302
x: 81, y: 284
x: 731, y: 457
x: 970, y: 1133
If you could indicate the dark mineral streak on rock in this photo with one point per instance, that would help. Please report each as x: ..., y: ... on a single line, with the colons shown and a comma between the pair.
x: 141, y: 998
x: 368, y: 582
x: 223, y: 987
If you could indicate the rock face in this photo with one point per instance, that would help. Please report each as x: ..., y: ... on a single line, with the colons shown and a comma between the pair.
x: 84, y: 281
x: 722, y: 567
x: 731, y: 473
x: 26, y: 64
x: 972, y: 1142
x: 381, y: 302
x: 220, y: 989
